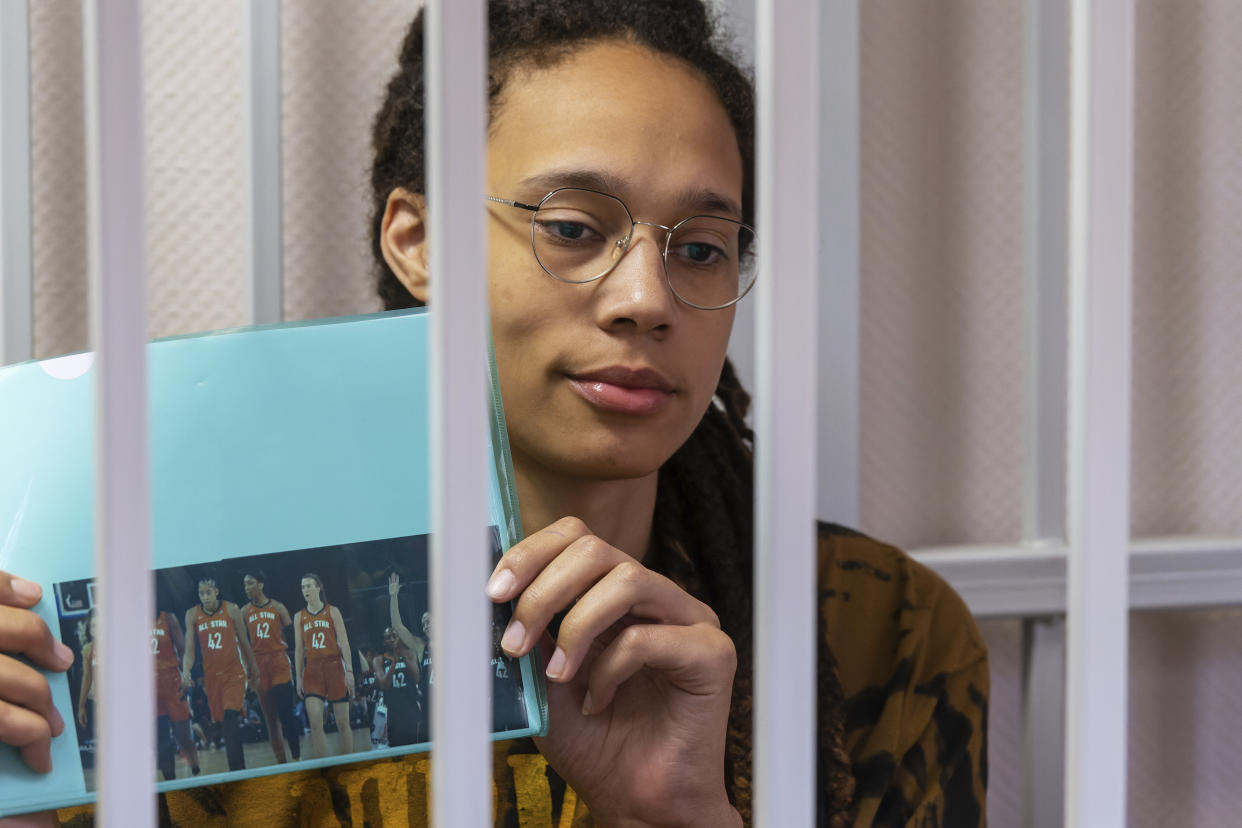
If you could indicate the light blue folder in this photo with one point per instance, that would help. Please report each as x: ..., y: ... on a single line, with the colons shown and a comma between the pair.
x: 263, y: 440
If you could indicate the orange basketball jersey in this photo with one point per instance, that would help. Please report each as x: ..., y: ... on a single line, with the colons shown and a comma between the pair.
x: 166, y: 657
x: 319, y: 634
x: 217, y: 638
x: 263, y: 624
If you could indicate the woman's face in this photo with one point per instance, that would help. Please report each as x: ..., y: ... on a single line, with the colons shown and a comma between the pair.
x: 209, y: 597
x: 310, y: 590
x: 253, y: 587
x: 606, y: 379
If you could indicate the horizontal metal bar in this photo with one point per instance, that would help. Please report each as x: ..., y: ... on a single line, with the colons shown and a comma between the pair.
x: 1029, y: 580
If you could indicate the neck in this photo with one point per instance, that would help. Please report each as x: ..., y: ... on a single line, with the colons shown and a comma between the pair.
x: 314, y: 606
x: 618, y: 512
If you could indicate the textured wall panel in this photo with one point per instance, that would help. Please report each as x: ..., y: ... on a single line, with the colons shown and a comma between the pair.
x: 942, y: 271
x: 1004, y: 640
x: 1185, y: 746
x: 1187, y: 468
x: 58, y: 179
x: 194, y: 71
x: 336, y: 63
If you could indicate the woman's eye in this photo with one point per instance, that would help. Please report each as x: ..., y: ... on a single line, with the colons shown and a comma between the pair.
x: 701, y: 253
x: 567, y: 231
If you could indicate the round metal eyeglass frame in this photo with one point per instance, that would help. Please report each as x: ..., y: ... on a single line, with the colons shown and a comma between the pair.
x: 624, y: 244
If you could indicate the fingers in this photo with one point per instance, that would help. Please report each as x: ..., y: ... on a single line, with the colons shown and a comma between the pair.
x: 18, y: 592
x: 565, y: 566
x: 22, y: 685
x: 524, y: 561
x: 629, y: 591
x: 30, y: 732
x: 700, y: 660
x: 21, y: 631
x: 559, y: 583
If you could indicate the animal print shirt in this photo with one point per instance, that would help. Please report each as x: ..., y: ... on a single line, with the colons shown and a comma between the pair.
x: 912, y: 665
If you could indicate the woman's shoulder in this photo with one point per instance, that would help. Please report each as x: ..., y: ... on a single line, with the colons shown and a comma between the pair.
x: 880, y: 605
x: 914, y: 675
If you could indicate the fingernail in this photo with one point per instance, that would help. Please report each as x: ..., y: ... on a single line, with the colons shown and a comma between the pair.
x: 500, y: 584
x: 514, y: 637
x: 587, y: 704
x: 556, y: 664
x: 58, y: 723
x: 63, y: 653
x: 25, y: 589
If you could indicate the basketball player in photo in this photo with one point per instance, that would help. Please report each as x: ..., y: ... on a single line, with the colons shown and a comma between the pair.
x: 171, y: 708
x: 228, y: 663
x: 266, y: 619
x: 398, y: 675
x: 324, y: 665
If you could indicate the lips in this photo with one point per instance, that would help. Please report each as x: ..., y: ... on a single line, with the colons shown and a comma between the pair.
x: 624, y: 390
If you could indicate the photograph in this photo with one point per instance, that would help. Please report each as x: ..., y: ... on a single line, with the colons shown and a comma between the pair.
x: 293, y: 655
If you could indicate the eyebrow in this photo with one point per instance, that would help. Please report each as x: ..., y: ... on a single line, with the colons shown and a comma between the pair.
x: 699, y: 200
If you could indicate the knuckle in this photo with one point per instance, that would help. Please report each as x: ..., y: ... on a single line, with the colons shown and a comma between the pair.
x: 630, y: 572
x: 636, y: 636
x: 722, y: 651
x: 529, y: 603
x: 590, y: 546
x: 19, y: 726
x: 572, y: 526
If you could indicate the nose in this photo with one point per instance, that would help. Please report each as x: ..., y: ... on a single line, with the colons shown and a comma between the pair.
x: 635, y: 295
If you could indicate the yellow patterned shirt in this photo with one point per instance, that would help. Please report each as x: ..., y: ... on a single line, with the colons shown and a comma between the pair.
x: 912, y: 665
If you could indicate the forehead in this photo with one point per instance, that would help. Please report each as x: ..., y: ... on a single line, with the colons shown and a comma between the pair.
x: 647, y: 123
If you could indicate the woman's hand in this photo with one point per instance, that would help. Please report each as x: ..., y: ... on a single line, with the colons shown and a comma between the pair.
x: 640, y: 676
x: 27, y: 718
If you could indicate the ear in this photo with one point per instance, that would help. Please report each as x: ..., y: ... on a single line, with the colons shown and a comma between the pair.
x: 403, y: 240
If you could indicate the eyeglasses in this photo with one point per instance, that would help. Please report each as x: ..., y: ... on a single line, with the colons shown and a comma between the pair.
x: 580, y: 235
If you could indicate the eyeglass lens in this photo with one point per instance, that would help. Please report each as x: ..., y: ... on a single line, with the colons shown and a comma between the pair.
x: 579, y: 235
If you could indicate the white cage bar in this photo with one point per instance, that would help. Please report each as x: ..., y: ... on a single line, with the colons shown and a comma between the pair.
x: 16, y: 277
x: 456, y: 123
x: 262, y: 24
x: 1101, y: 238
x: 787, y: 73
x: 840, y: 295
x: 126, y: 696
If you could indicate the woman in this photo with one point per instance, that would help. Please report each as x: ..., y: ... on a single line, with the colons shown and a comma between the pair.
x: 397, y: 674
x: 86, y: 687
x: 172, y: 712
x: 324, y: 665
x: 266, y: 620
x: 630, y: 448
x: 229, y: 664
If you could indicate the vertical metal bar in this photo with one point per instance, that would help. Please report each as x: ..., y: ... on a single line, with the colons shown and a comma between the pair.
x: 266, y: 229
x: 456, y: 48
x: 1043, y: 667
x: 1045, y: 237
x: 126, y: 758
x: 839, y: 233
x: 16, y: 273
x: 1101, y: 237
x: 788, y: 155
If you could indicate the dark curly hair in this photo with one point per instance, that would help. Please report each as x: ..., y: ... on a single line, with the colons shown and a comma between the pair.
x: 702, y: 532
